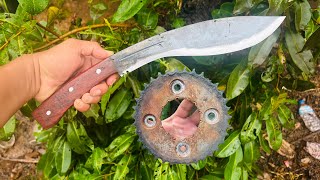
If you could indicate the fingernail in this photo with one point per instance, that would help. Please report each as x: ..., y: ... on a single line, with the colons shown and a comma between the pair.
x: 97, y: 92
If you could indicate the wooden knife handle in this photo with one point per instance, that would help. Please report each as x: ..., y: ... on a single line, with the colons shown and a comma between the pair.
x: 52, y: 109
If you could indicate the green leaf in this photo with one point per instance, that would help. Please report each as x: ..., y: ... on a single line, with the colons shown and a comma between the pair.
x: 181, y: 170
x: 146, y: 172
x: 173, y: 64
x: 119, y: 145
x: 303, y: 60
x: 97, y: 10
x: 251, y: 128
x: 106, y: 97
x: 259, y: 53
x: 147, y: 18
x: 225, y: 10
x: 210, y: 177
x: 251, y: 153
x: 264, y: 144
x: 8, y: 129
x: 127, y: 9
x: 161, y: 170
x: 178, y: 22
x: 135, y: 85
x: 310, y: 29
x: 313, y: 41
x: 4, y: 56
x: 276, y: 7
x: 232, y: 170
x: 77, y: 137
x: 245, y: 174
x: 35, y: 6
x: 244, y: 6
x: 302, y: 14
x: 46, y: 164
x: 274, y: 133
x: 238, y: 80
x: 122, y: 167
x: 284, y: 114
x: 63, y: 157
x: 96, y: 160
x: 118, y: 105
x: 229, y: 146
x: 93, y: 111
x: 199, y: 165
x: 209, y: 60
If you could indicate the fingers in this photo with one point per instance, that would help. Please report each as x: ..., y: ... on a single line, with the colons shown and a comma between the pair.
x: 88, y: 48
x: 99, y: 89
x: 81, y: 106
x: 184, y: 109
x: 195, y: 118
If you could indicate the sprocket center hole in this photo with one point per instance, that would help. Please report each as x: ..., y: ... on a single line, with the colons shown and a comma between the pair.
x: 180, y: 118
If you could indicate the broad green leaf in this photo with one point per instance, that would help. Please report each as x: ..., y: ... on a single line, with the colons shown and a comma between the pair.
x: 93, y: 111
x: 302, y: 14
x: 35, y: 6
x: 244, y: 6
x: 173, y: 64
x: 161, y: 170
x: 119, y: 145
x: 238, y: 80
x: 284, y: 114
x: 276, y: 7
x: 46, y: 164
x: 77, y: 137
x: 118, y: 105
x: 245, y: 174
x: 310, y: 29
x: 313, y: 41
x: 147, y: 18
x: 8, y: 129
x: 97, y: 10
x: 96, y: 160
x: 251, y: 153
x: 209, y: 60
x: 274, y: 133
x: 225, y: 10
x: 199, y: 165
x: 146, y: 172
x: 28, y: 108
x: 229, y: 146
x: 266, y: 109
x: 21, y: 14
x: 232, y: 170
x: 210, y: 177
x: 181, y: 170
x: 106, y: 97
x: 178, y: 22
x: 264, y: 143
x: 63, y: 157
x: 135, y: 85
x: 259, y: 53
x: 251, y: 128
x: 123, y: 166
x: 127, y: 9
x: 303, y: 60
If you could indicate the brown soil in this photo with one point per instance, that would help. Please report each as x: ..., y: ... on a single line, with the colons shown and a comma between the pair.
x: 274, y: 166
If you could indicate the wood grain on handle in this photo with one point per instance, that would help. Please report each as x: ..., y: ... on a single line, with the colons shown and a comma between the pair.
x: 52, y: 109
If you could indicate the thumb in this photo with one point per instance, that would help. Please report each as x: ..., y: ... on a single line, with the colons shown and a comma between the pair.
x: 89, y: 48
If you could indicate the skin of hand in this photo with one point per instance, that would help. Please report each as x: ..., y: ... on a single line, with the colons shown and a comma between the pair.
x: 180, y: 125
x: 67, y: 60
x: 39, y: 75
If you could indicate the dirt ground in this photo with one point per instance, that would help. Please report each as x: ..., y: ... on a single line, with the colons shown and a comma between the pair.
x: 302, y: 166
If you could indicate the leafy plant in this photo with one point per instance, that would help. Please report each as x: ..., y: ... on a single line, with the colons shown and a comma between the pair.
x: 102, y: 143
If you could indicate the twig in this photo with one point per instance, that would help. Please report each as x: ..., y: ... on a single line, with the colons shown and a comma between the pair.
x: 12, y: 37
x: 49, y: 30
x: 19, y: 160
x: 305, y: 137
x: 78, y: 30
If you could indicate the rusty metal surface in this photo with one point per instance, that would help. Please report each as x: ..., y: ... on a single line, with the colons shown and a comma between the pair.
x: 204, y: 95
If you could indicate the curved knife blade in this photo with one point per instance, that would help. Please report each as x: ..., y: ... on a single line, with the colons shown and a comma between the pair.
x: 211, y: 37
x: 205, y: 38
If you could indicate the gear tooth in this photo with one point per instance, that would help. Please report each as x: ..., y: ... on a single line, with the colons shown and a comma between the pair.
x: 202, y: 74
x: 159, y: 73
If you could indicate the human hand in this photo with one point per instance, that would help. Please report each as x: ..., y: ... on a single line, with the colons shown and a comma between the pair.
x: 67, y: 60
x: 180, y: 125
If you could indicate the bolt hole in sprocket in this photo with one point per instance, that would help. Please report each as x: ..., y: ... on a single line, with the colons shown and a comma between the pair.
x: 209, y: 105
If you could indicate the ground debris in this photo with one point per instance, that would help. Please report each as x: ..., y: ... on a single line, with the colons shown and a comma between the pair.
x: 313, y: 149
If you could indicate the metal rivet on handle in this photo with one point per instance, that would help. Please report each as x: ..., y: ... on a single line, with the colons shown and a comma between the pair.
x: 98, y: 71
x: 71, y: 89
x: 48, y: 113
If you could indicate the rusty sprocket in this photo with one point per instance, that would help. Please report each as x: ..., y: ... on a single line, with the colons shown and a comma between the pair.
x: 208, y: 100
